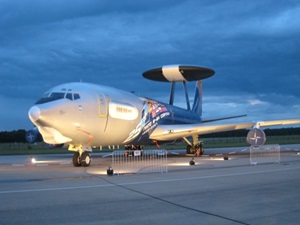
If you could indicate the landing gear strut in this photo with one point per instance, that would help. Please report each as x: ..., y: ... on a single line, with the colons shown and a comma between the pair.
x: 196, y: 148
x: 129, y: 149
x: 134, y: 147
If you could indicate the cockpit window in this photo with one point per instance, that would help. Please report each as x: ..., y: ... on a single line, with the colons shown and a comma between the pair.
x: 49, y: 97
x: 69, y: 96
x: 57, y: 95
x: 52, y: 97
x: 76, y: 96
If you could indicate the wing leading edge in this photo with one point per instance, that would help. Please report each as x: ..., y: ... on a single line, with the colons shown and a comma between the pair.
x: 172, y: 132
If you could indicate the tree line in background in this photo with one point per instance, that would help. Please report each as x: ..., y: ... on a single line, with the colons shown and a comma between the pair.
x: 19, y: 136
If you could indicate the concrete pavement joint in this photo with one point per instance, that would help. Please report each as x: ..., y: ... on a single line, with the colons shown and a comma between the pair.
x: 175, y: 204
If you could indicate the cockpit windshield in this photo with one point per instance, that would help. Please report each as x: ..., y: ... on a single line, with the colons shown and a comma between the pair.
x: 53, y: 96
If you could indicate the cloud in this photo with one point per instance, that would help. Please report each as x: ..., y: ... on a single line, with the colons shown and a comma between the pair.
x: 255, y: 102
x: 253, y: 47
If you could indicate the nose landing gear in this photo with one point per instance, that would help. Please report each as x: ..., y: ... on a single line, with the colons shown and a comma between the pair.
x: 85, y: 159
x: 81, y: 156
x: 81, y: 160
x: 76, y: 159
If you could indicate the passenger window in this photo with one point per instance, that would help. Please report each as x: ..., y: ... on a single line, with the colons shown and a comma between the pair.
x: 69, y: 96
x: 76, y: 96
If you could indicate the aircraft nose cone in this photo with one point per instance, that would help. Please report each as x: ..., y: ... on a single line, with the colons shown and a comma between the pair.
x: 34, y: 113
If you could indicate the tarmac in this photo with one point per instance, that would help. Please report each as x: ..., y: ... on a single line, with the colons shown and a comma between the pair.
x: 213, y: 191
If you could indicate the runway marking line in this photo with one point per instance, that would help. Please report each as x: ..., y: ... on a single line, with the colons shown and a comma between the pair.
x: 41, y: 165
x: 18, y: 165
x: 146, y: 182
x: 34, y: 164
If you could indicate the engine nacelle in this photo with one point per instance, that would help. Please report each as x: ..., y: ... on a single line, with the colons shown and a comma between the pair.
x: 256, y: 137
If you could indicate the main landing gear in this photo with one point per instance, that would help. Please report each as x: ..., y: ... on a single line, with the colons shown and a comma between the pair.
x: 134, y: 147
x: 196, y: 148
x: 81, y: 160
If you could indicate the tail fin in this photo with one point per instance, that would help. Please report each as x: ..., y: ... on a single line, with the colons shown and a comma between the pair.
x: 197, y: 105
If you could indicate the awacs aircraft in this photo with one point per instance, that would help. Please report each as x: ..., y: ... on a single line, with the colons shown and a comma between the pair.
x: 84, y: 115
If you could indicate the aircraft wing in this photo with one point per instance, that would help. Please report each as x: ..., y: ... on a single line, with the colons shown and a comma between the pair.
x: 172, y: 132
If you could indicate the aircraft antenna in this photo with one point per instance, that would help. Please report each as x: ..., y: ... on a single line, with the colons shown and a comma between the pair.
x: 178, y: 73
x: 186, y: 95
x: 171, y: 102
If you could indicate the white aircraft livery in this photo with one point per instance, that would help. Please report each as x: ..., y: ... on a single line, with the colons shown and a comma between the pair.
x: 83, y: 115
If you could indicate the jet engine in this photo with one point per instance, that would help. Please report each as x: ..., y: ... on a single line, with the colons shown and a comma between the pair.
x: 256, y: 136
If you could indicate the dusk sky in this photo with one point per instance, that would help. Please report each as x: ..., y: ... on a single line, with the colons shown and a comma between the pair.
x: 253, y: 46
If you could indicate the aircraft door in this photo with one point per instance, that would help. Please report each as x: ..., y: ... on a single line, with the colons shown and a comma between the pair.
x: 78, y: 107
x: 103, y: 110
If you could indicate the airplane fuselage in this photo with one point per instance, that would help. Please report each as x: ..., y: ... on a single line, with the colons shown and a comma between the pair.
x: 95, y: 115
x: 84, y: 115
